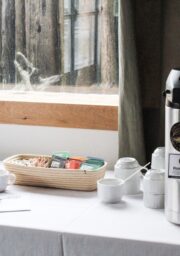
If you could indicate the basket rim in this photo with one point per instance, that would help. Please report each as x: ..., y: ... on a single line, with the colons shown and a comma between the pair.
x: 7, y: 160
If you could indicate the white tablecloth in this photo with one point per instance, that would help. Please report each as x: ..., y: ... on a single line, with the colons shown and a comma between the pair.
x: 85, y: 245
x: 29, y: 242
x: 71, y: 223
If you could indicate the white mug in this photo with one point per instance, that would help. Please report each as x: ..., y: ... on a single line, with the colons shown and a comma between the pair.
x: 6, y: 179
x: 153, y: 189
x: 125, y: 167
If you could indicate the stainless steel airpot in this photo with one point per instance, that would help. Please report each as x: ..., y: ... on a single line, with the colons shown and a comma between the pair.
x: 172, y: 146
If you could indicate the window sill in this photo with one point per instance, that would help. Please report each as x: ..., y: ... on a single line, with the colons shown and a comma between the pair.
x: 71, y: 110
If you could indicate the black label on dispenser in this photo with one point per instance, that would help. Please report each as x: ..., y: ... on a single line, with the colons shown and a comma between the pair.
x: 175, y: 136
x: 174, y: 166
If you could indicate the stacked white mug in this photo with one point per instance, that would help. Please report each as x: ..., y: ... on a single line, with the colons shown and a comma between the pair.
x: 125, y: 167
x: 153, y: 182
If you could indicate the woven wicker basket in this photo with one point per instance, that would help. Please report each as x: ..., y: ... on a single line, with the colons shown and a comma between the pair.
x: 54, y: 178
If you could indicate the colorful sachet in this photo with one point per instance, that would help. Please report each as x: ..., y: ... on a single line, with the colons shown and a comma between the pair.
x: 64, y: 160
x: 59, y: 159
x: 92, y: 163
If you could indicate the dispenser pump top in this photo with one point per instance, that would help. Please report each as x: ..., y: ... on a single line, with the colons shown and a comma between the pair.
x: 172, y: 92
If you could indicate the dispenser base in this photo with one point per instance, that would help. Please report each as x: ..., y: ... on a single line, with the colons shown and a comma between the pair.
x: 173, y: 217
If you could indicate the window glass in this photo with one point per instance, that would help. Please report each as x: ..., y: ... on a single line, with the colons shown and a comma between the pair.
x: 45, y: 45
x: 67, y: 45
x: 85, y: 5
x: 84, y: 42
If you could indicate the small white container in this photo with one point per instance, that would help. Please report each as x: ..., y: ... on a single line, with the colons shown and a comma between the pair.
x: 125, y: 167
x: 110, y: 190
x: 153, y: 188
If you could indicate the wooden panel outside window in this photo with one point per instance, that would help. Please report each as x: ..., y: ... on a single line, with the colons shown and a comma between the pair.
x: 70, y: 111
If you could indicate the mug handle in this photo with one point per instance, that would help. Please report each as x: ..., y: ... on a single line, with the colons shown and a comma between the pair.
x: 12, y: 179
x: 141, y: 175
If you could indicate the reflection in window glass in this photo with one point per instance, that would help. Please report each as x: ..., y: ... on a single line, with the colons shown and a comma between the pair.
x: 46, y: 44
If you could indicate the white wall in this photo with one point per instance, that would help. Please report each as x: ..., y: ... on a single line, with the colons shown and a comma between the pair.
x: 15, y: 139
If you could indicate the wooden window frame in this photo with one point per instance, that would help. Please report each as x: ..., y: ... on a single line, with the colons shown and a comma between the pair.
x: 55, y: 112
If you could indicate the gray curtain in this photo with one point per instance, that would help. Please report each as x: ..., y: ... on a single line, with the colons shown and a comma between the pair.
x: 149, y: 40
x: 131, y: 138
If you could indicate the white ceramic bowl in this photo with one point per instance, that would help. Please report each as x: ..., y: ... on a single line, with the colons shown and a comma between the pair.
x: 110, y: 190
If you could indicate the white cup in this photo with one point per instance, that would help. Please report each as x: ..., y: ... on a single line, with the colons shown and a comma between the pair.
x: 125, y: 167
x: 110, y: 190
x: 153, y: 182
x: 158, y: 158
x: 6, y: 179
x: 153, y: 188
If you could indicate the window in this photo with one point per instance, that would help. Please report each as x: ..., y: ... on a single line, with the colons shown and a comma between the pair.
x: 58, y: 46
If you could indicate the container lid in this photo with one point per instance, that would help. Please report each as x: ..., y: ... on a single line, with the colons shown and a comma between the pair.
x: 155, y: 175
x: 127, y: 162
x: 158, y: 158
x: 160, y: 151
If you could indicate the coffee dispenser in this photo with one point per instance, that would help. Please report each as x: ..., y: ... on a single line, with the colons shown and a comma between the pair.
x: 172, y: 147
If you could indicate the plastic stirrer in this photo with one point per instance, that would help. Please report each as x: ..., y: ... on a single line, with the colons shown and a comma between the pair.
x: 132, y: 175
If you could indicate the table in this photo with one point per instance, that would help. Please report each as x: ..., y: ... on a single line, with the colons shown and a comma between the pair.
x: 74, y: 223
